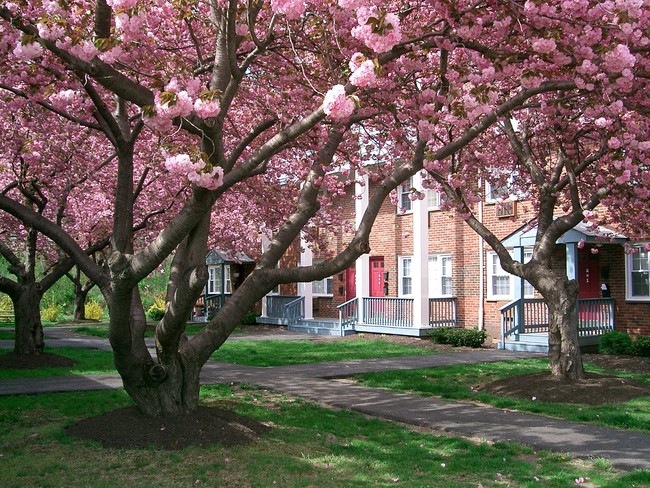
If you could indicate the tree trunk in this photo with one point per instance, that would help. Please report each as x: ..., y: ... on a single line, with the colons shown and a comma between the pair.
x: 563, y: 347
x: 165, y: 390
x: 79, y: 301
x: 29, y: 328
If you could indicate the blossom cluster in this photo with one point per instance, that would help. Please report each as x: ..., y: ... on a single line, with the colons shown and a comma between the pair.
x: 379, y: 30
x: 291, y: 9
x: 337, y: 105
x: 198, y: 172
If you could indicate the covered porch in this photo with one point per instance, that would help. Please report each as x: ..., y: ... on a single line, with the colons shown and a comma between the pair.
x: 524, y: 321
x: 382, y: 315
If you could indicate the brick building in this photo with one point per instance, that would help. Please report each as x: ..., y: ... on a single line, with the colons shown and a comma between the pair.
x: 427, y: 269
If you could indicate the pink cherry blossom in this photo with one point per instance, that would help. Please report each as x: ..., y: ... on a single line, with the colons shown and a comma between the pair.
x: 377, y: 29
x: 364, y: 75
x: 28, y: 51
x: 292, y: 9
x: 205, y: 109
x: 337, y: 105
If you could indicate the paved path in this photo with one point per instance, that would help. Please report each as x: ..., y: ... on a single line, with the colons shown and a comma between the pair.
x: 318, y: 382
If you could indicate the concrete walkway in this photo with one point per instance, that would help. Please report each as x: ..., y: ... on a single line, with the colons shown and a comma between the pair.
x: 318, y: 382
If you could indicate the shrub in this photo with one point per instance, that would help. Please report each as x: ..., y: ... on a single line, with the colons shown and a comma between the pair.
x: 249, y: 319
x: 157, y: 310
x: 5, y: 302
x: 51, y: 312
x: 641, y: 346
x: 459, y: 337
x: 615, y: 342
x: 94, y: 311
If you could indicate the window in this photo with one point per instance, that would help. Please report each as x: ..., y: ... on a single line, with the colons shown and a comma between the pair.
x: 227, y: 279
x: 501, y: 285
x: 503, y: 191
x: 404, y: 203
x: 214, y: 280
x: 324, y: 287
x: 434, y: 199
x: 440, y: 283
x: 637, y: 272
x: 405, y: 276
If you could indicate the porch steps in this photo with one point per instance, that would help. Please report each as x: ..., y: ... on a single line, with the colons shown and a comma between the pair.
x: 528, y: 343
x: 320, y: 327
x: 539, y: 343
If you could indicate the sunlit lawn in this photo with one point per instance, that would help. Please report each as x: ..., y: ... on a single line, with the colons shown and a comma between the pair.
x: 281, y: 353
x: 308, y: 446
x: 457, y: 382
x: 89, y: 361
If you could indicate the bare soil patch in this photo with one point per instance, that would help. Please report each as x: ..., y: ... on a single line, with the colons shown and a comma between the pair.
x: 128, y: 428
x: 596, y: 389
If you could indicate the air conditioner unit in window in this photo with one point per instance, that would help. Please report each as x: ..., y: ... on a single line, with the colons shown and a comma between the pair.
x: 506, y: 209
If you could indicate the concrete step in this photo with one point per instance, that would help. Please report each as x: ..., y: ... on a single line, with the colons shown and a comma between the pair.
x: 523, y: 346
x: 310, y: 328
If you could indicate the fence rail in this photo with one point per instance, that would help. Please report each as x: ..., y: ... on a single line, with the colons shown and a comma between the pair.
x: 275, y: 305
x: 348, y: 314
x: 295, y: 310
x: 595, y: 316
x: 442, y: 312
x: 388, y: 312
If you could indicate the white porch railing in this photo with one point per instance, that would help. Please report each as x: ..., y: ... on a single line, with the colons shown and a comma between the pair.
x: 295, y: 310
x: 388, y: 312
x: 275, y: 305
x: 442, y: 312
x: 595, y: 316
x: 348, y: 314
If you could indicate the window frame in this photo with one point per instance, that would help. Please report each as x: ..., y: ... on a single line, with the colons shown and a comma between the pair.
x: 405, y: 204
x: 436, y: 278
x: 401, y: 276
x: 529, y: 291
x: 629, y: 270
x: 326, y: 284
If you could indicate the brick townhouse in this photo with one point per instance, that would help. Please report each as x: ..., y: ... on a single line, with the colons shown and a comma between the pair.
x: 428, y: 269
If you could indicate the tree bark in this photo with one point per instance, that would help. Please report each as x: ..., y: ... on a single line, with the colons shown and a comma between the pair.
x: 164, y: 390
x: 29, y: 328
x: 563, y: 348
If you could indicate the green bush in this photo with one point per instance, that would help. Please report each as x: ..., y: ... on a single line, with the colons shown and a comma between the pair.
x: 615, y: 342
x: 459, y: 337
x: 249, y: 319
x: 157, y: 310
x: 641, y: 346
x: 5, y: 302
x: 94, y: 311
x: 51, y: 312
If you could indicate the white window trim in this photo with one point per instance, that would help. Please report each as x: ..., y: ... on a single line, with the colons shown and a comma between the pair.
x: 214, y: 278
x: 400, y: 273
x: 405, y: 189
x: 628, y: 276
x: 513, y: 279
x: 324, y: 282
x: 512, y: 196
x: 435, y: 273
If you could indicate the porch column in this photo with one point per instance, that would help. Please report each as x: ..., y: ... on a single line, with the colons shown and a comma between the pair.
x: 420, y: 268
x: 362, y: 274
x: 266, y: 240
x: 519, y: 293
x: 305, y: 289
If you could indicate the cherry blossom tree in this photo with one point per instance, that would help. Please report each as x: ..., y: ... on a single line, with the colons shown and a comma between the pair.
x: 269, y: 101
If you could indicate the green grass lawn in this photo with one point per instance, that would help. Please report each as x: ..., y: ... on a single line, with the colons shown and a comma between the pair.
x: 6, y: 335
x: 282, y: 353
x: 456, y: 382
x: 101, y: 330
x: 308, y: 446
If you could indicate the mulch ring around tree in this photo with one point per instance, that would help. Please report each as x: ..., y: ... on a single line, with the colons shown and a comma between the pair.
x: 129, y: 428
x: 596, y: 389
x: 11, y: 360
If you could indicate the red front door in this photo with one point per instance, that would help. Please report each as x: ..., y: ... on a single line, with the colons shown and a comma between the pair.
x: 588, y: 274
x: 377, y: 277
x: 350, y: 283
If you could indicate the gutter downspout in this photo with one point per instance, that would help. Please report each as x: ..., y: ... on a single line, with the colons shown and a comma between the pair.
x: 481, y: 269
